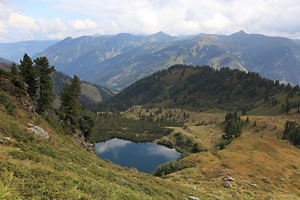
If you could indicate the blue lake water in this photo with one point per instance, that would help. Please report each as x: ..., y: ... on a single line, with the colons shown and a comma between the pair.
x: 143, y: 156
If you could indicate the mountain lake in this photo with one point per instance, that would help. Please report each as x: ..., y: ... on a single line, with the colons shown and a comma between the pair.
x: 143, y: 156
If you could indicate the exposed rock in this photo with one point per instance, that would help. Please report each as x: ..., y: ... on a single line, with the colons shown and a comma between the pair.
x: 30, y: 125
x: 194, y: 187
x: 253, y: 184
x: 229, y: 178
x: 194, y: 198
x: 227, y: 185
x: 27, y: 104
x: 81, y: 141
x: 39, y: 131
x: 266, y: 180
x: 281, y: 179
x: 7, y: 138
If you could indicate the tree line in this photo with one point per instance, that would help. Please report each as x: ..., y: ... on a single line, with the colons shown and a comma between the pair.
x: 37, y: 75
x: 203, y: 88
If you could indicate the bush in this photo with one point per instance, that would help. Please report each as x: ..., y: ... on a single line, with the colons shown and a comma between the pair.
x: 166, y: 168
x: 7, y: 102
x: 292, y: 133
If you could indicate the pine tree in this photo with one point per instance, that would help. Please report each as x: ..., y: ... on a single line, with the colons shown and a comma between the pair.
x: 14, y: 69
x: 46, y: 93
x: 287, y: 106
x: 69, y: 106
x: 29, y: 75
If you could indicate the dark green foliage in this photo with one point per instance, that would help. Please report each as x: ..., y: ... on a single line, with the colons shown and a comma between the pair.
x: 14, y: 69
x: 292, y: 133
x: 87, y: 123
x: 197, y: 88
x: 108, y: 125
x: 247, y: 120
x: 222, y: 144
x: 287, y: 106
x: 170, y: 167
x: 196, y: 148
x: 60, y: 80
x: 69, y: 106
x: 232, y: 129
x: 46, y: 94
x: 8, y: 104
x: 29, y: 75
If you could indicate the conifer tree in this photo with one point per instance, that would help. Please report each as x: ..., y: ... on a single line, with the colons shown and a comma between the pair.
x: 29, y: 75
x: 69, y: 106
x: 14, y: 69
x: 46, y: 93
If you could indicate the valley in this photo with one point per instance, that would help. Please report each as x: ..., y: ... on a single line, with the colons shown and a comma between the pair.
x: 236, y: 132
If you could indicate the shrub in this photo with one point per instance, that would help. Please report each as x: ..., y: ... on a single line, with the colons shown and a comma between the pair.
x: 292, y: 133
x: 7, y: 102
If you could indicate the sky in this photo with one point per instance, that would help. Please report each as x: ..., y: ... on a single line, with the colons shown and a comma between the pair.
x: 58, y: 19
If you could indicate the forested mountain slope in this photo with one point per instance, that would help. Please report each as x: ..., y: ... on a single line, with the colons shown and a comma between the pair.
x: 204, y: 88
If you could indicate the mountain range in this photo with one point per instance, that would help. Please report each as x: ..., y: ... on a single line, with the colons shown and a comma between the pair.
x: 15, y: 51
x: 116, y: 61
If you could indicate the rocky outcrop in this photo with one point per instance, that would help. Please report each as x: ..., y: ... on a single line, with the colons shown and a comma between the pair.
x: 227, y: 185
x: 81, y: 141
x: 38, y: 131
x: 18, y: 89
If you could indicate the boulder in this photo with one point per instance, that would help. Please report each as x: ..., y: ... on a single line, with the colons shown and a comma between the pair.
x: 253, y: 184
x: 228, y: 178
x: 194, y: 198
x: 266, y: 180
x: 7, y: 138
x: 227, y: 185
x: 39, y: 131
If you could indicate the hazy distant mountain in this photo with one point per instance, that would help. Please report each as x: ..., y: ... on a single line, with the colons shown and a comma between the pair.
x: 90, y: 93
x: 277, y: 58
x: 15, y: 51
x: 116, y: 61
x: 3, y: 60
x: 73, y: 56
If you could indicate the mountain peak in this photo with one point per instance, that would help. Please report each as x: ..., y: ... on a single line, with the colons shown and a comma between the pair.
x: 240, y: 33
x: 160, y: 37
x: 160, y: 33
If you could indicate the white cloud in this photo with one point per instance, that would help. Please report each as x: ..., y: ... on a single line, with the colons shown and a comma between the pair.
x: 82, y: 25
x: 112, y: 144
x: 272, y: 17
x: 170, y: 154
x: 22, y: 22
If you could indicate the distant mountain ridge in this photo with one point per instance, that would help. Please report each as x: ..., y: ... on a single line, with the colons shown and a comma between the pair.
x: 116, y: 61
x: 91, y: 94
x: 15, y: 51
x: 3, y: 60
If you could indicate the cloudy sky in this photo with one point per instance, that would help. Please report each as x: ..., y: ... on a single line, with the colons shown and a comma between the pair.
x: 57, y: 19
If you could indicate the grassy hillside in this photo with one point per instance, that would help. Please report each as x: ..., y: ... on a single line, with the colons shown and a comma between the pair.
x: 33, y: 167
x: 258, y: 164
x: 204, y: 88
